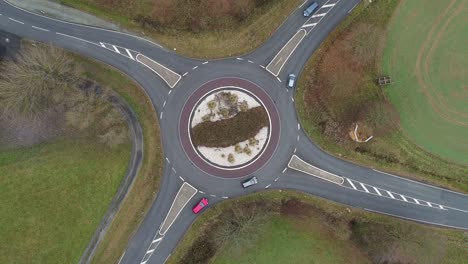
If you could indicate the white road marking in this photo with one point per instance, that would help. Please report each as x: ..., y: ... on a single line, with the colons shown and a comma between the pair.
x: 157, y: 239
x: 39, y: 28
x: 174, y: 170
x: 364, y: 187
x: 416, y: 200
x: 181, y: 178
x: 300, y: 31
x: 295, y: 149
x: 262, y: 66
x: 298, y: 126
x: 164, y: 104
x: 390, y: 194
x: 205, y: 63
x: 225, y: 197
x: 441, y: 207
x: 309, y: 25
x: 102, y: 44
x: 352, y: 184
x: 239, y: 59
x: 276, y: 179
x: 161, y: 115
x: 329, y: 5
x: 17, y: 21
x: 284, y: 170
x: 319, y: 15
x: 116, y: 49
x: 428, y: 203
x: 268, y: 186
x: 377, y: 191
x: 353, y: 8
x: 130, y: 54
x: 250, y: 61
x: 170, y: 91
x: 297, y: 137
x: 303, y: 4
x: 212, y: 195
x: 201, y: 192
x: 121, y: 257
x: 194, y: 68
x: 292, y: 98
x: 279, y: 80
x: 404, y: 198
x: 184, y: 74
x: 149, y: 251
x: 168, y: 161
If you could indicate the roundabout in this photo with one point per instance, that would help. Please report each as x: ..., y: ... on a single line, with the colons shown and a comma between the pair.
x: 210, y: 133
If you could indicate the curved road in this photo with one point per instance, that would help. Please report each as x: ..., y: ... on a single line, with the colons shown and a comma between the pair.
x: 170, y: 79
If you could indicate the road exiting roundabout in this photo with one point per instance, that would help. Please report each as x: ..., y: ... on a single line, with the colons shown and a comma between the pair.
x: 214, y: 112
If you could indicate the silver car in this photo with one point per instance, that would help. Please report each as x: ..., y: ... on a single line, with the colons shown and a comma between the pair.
x: 250, y: 182
x: 291, y: 80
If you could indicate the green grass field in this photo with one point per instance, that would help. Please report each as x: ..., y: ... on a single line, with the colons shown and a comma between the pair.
x: 53, y: 197
x: 293, y: 240
x: 426, y: 56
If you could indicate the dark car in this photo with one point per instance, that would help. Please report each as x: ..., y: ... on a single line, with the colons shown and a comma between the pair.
x: 250, y: 182
x: 202, y: 204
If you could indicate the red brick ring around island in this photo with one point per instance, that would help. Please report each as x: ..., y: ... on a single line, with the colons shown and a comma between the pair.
x: 229, y: 172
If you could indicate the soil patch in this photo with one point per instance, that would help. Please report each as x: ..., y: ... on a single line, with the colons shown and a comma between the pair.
x: 228, y: 132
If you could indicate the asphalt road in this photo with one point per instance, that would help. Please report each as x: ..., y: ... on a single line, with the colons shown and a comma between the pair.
x: 363, y: 187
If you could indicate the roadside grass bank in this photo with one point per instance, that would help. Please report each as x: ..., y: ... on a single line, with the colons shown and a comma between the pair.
x: 146, y: 185
x: 198, y: 29
x: 54, y: 196
x: 431, y: 75
x: 337, y: 90
x: 292, y: 227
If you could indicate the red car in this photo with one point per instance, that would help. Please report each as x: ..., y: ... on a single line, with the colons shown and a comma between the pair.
x: 202, y: 204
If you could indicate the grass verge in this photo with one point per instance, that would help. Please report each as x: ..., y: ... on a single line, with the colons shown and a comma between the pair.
x: 230, y: 39
x: 53, y: 197
x: 359, y: 41
x: 303, y: 229
x: 146, y: 185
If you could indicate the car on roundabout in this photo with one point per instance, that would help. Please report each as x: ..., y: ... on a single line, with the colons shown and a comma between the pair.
x: 291, y: 80
x: 250, y: 182
x: 200, y: 205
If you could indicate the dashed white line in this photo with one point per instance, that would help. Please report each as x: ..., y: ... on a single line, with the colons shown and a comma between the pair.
x: 161, y: 115
x: 181, y: 178
x: 212, y: 195
x: 297, y: 137
x: 250, y: 61
x: 295, y: 149
x: 164, y: 104
x: 17, y: 21
x: 262, y: 66
x: 292, y: 98
x: 298, y: 126
x: 170, y: 91
x: 157, y: 239
x: 174, y: 170
x: 225, y: 197
x: 205, y: 63
x: 168, y: 161
x: 352, y: 184
x: 390, y: 194
x: 377, y: 191
x: 202, y: 192
x: 194, y: 68
x: 239, y: 59
x: 268, y: 186
x: 39, y: 28
x: 276, y: 179
x: 364, y: 187
x: 279, y: 80
x: 183, y: 75
x: 284, y: 170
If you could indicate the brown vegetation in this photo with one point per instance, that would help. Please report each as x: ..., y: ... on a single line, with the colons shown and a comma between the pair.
x: 342, y: 91
x: 43, y: 95
x: 228, y: 132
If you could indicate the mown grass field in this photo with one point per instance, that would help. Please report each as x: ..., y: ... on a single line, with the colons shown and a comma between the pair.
x: 431, y: 74
x: 300, y: 228
x: 54, y: 196
x: 229, y: 36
